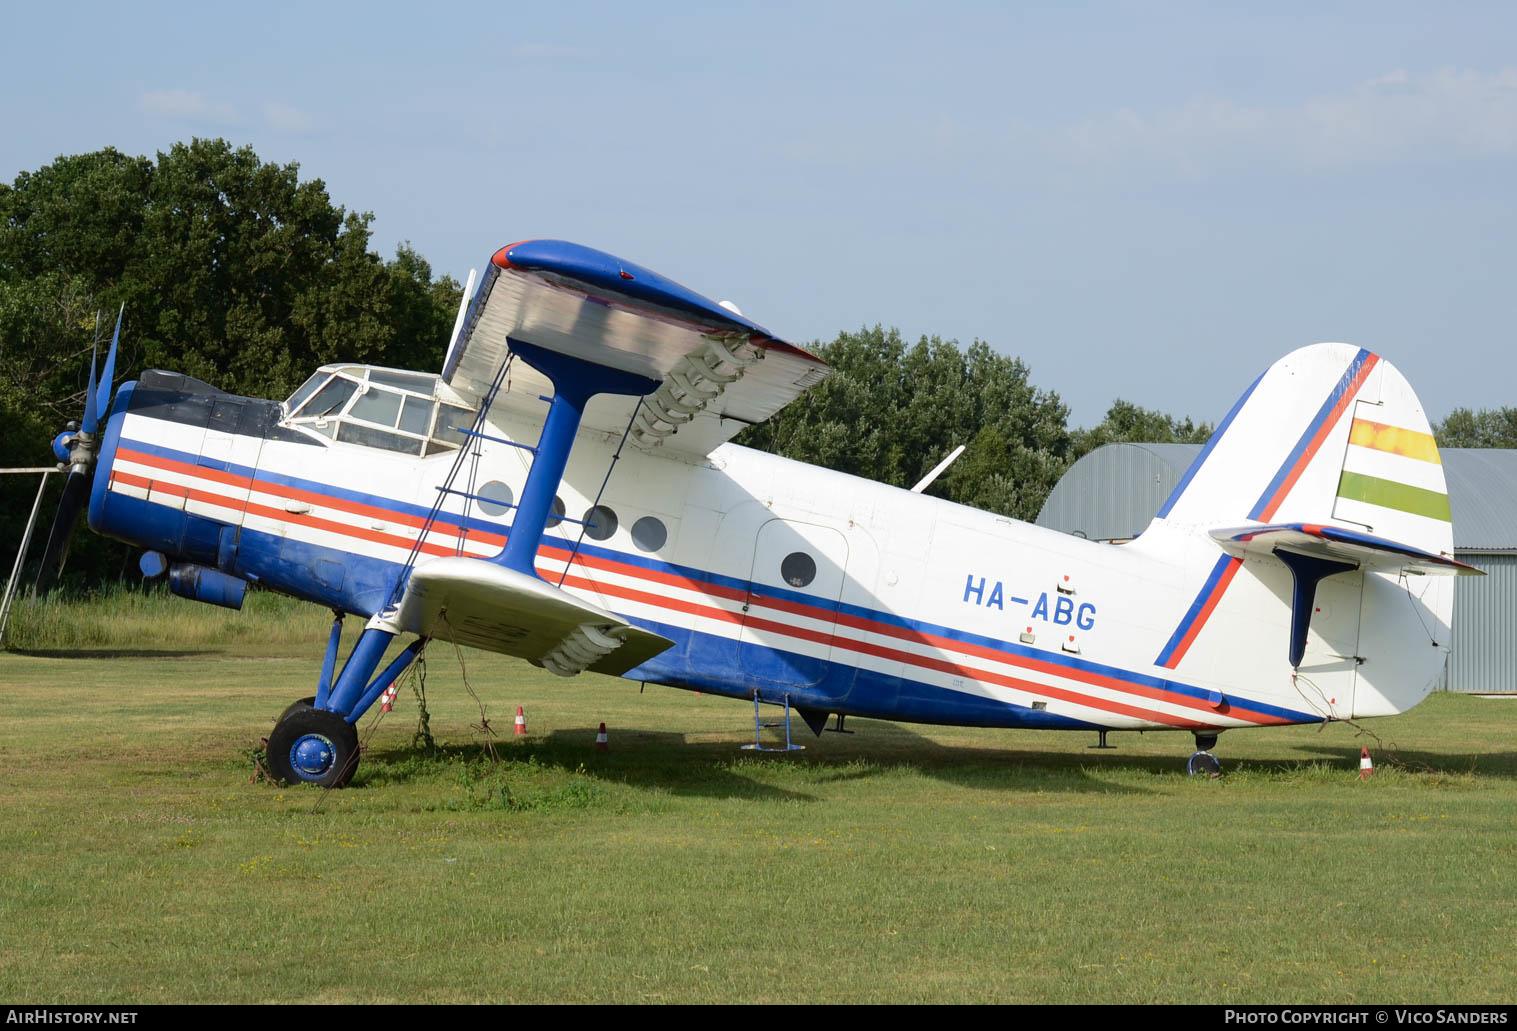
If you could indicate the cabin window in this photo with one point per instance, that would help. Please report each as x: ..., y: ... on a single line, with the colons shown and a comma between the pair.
x: 494, y: 498
x: 600, y: 523
x: 798, y: 569
x: 649, y: 533
x: 557, y: 515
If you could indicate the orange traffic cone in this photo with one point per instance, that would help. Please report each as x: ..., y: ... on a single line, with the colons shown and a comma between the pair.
x: 387, y: 700
x: 521, y: 721
x: 600, y: 740
x: 1366, y: 764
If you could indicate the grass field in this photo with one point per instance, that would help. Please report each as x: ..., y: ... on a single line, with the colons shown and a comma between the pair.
x: 899, y: 864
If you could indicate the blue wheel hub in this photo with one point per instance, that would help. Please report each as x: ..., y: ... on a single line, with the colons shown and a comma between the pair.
x: 313, y: 755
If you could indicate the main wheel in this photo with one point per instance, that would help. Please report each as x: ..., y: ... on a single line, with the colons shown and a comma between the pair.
x: 313, y: 746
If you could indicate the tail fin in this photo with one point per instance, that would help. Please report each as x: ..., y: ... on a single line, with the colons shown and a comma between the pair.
x: 1330, y: 434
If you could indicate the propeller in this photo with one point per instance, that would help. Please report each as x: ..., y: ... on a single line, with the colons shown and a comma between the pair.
x: 77, y: 449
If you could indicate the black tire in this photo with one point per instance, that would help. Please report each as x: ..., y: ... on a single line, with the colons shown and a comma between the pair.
x: 327, y: 743
x: 304, y: 703
x: 1204, y: 764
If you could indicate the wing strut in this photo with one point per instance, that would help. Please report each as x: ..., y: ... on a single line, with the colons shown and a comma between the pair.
x: 575, y: 381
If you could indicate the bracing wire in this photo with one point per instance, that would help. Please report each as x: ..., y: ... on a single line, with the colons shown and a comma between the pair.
x: 585, y: 525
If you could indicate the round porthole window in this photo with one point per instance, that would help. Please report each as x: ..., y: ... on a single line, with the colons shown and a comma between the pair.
x: 649, y: 533
x: 494, y: 498
x: 600, y: 523
x: 798, y: 569
x: 557, y: 515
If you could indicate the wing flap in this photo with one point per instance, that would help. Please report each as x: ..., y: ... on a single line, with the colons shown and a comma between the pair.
x: 1368, y: 552
x: 488, y: 606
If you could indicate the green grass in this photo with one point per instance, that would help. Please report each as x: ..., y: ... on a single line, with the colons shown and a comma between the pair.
x: 899, y: 864
x: 156, y: 621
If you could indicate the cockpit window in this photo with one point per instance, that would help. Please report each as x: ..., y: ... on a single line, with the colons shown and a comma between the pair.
x: 357, y: 433
x: 449, y: 419
x: 306, y: 390
x: 415, y: 416
x: 383, y: 408
x: 329, y: 400
x: 376, y: 404
x: 414, y: 382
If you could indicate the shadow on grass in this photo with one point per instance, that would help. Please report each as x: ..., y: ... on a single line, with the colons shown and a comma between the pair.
x: 667, y: 761
x: 113, y: 653
x: 640, y: 759
x: 1490, y: 764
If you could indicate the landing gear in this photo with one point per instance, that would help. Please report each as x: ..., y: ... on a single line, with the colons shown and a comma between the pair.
x: 304, y: 703
x: 313, y: 746
x: 1203, y: 763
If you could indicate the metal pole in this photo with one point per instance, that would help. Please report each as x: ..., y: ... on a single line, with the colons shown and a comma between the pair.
x: 26, y: 541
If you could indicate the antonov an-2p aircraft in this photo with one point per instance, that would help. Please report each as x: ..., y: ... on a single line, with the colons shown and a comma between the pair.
x: 564, y: 492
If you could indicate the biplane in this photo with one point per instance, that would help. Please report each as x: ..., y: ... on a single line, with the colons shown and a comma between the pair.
x: 565, y: 490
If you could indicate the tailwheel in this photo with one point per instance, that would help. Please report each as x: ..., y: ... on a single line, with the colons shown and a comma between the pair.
x: 313, y: 746
x: 1203, y: 763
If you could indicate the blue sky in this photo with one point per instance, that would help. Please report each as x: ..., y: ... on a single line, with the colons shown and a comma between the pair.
x: 1142, y: 201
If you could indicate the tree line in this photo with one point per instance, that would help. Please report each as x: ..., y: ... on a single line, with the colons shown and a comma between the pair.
x: 237, y: 272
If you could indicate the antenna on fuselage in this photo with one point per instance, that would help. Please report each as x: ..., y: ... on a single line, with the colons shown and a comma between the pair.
x: 937, y: 470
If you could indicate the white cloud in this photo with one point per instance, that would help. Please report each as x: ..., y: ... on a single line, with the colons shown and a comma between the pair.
x: 187, y: 104
x: 288, y: 119
x: 1388, y: 118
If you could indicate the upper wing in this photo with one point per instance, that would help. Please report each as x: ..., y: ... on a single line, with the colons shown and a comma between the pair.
x: 488, y: 606
x: 718, y: 371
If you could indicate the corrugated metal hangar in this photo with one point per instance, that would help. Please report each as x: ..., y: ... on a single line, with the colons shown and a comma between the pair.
x: 1112, y: 493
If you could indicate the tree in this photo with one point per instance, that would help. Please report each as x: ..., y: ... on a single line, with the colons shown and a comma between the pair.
x: 232, y: 270
x: 1127, y: 422
x: 891, y: 412
x: 1485, y: 428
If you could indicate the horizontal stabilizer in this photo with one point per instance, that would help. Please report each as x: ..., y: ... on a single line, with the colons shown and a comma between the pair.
x: 1368, y: 552
x: 488, y: 606
x: 716, y: 370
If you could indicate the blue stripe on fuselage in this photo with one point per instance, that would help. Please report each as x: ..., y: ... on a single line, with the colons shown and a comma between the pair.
x: 282, y: 564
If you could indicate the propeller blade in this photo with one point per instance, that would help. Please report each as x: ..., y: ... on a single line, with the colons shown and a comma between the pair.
x: 103, y: 402
x: 91, y: 420
x: 75, y: 491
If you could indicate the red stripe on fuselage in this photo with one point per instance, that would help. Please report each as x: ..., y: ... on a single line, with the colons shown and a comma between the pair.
x: 585, y: 563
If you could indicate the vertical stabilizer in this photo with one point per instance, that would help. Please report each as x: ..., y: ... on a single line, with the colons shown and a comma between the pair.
x: 1330, y: 434
x: 1322, y: 504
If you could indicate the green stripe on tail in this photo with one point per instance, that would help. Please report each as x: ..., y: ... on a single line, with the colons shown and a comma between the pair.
x: 1389, y: 494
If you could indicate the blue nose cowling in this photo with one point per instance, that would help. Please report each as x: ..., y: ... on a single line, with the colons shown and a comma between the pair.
x: 60, y: 446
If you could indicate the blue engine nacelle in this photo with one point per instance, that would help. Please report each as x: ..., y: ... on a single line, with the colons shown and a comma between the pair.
x: 208, y: 585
